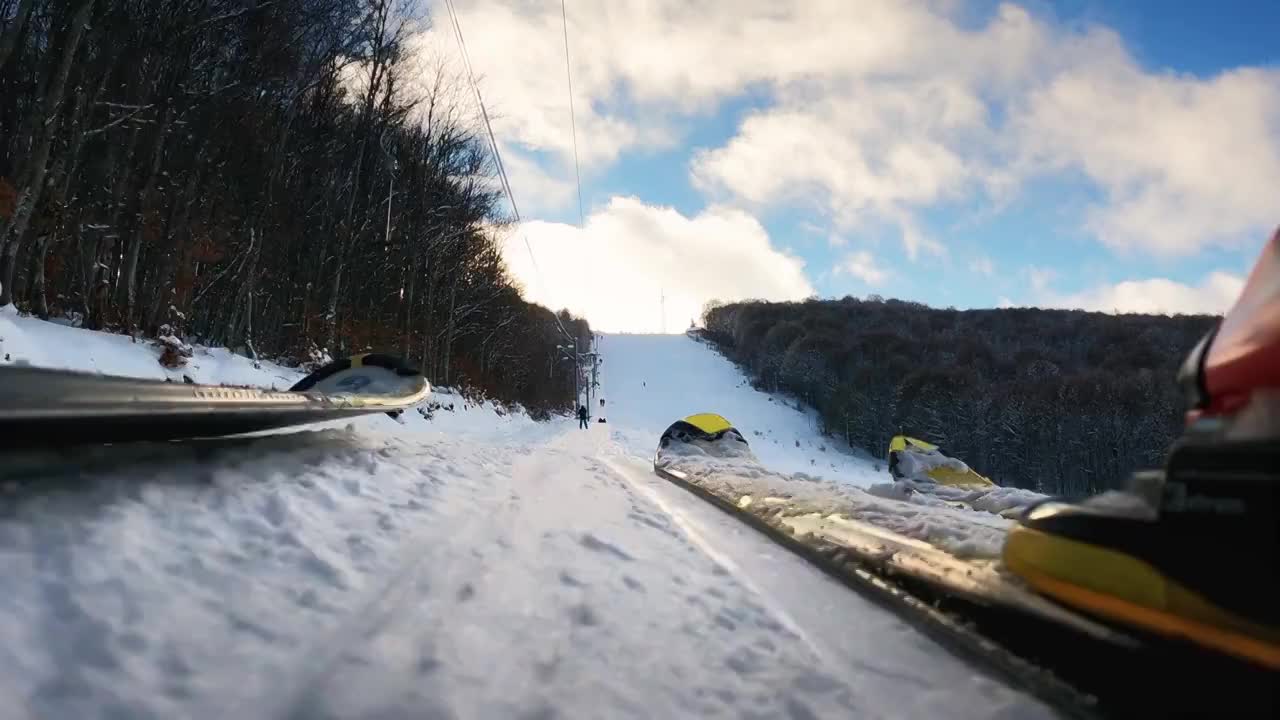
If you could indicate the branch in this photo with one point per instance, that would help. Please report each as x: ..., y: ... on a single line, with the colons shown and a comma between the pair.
x: 225, y: 16
x: 123, y: 118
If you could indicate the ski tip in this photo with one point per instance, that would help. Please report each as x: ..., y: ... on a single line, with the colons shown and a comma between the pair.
x: 369, y: 373
x: 709, y: 423
x: 708, y: 427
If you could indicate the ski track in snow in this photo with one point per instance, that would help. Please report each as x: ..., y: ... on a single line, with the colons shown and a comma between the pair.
x: 468, y: 566
x: 331, y: 575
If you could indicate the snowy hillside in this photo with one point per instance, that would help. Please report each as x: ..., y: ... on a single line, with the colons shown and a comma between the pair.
x: 473, y: 565
x: 651, y: 381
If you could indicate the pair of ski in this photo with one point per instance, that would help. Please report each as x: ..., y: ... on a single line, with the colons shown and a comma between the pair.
x: 41, y: 406
x: 1081, y: 664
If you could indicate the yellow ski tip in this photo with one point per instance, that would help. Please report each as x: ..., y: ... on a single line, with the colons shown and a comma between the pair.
x: 901, y: 442
x: 709, y: 423
x: 1130, y: 591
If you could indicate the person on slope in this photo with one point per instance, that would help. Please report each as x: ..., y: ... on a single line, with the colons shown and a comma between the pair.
x: 582, y: 417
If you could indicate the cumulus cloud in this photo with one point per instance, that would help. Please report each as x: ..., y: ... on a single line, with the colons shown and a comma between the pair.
x: 1213, y: 295
x: 862, y: 265
x: 1184, y: 163
x: 870, y: 112
x: 617, y: 270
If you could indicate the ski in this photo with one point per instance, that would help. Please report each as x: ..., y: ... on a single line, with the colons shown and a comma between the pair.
x: 1074, y: 660
x: 41, y: 406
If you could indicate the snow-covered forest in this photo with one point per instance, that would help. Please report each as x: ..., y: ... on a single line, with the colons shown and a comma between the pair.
x: 1052, y: 400
x: 281, y: 177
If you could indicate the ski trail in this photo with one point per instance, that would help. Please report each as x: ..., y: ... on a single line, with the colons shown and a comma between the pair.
x: 562, y: 564
x: 699, y: 539
x: 341, y: 575
x: 814, y: 608
x: 324, y: 655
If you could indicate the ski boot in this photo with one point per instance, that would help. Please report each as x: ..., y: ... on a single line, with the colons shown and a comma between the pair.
x: 1190, y: 551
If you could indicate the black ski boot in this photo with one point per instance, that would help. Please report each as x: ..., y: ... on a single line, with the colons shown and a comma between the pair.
x: 1190, y: 551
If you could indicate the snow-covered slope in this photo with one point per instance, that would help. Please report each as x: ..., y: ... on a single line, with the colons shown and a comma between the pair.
x: 650, y: 381
x: 474, y: 565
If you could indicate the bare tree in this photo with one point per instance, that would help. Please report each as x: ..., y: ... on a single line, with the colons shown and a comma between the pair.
x: 283, y: 177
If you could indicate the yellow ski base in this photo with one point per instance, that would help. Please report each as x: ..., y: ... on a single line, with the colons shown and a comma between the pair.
x: 1126, y: 589
x: 709, y: 423
x: 941, y: 475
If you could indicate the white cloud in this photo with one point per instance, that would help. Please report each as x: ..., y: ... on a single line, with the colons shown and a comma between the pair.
x: 875, y: 110
x: 536, y: 188
x: 982, y: 266
x: 1185, y: 163
x: 1213, y: 295
x: 862, y: 265
x: 1040, y: 278
x: 616, y: 270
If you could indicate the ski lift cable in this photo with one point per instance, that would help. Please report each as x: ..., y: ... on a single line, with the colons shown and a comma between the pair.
x: 573, y: 122
x: 497, y: 154
x: 484, y: 113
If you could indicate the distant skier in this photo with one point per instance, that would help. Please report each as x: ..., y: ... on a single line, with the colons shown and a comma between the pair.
x: 582, y: 417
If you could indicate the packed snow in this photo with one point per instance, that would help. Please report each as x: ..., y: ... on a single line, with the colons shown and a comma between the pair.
x: 463, y: 561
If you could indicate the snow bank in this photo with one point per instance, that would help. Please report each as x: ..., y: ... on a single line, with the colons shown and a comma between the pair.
x: 31, y: 341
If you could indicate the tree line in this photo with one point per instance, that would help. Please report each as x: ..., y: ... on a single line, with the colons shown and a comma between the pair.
x: 286, y: 177
x: 1057, y: 401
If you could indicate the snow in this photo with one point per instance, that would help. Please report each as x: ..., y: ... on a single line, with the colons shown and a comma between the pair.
x: 1005, y: 501
x: 964, y: 533
x: 653, y: 380
x: 26, y: 340
x: 476, y: 564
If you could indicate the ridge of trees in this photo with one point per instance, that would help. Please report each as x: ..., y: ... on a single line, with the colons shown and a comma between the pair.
x: 283, y: 177
x: 1057, y: 401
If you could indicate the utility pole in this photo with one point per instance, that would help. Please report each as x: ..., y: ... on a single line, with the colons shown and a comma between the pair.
x: 564, y: 355
x: 579, y: 356
x: 595, y: 362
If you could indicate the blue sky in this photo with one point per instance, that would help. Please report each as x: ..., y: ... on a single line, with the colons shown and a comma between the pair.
x: 1112, y: 156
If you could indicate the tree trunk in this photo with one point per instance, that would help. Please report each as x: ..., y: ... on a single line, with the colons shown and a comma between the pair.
x: 9, y: 40
x: 407, y: 303
x: 179, y: 231
x: 448, y: 337
x: 331, y: 312
x: 130, y: 279
x: 37, y: 298
x: 11, y: 233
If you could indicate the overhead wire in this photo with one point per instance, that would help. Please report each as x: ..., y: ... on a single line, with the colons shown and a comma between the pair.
x: 497, y: 153
x: 573, y: 121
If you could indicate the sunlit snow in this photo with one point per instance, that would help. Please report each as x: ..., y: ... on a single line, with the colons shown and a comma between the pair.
x: 475, y: 564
